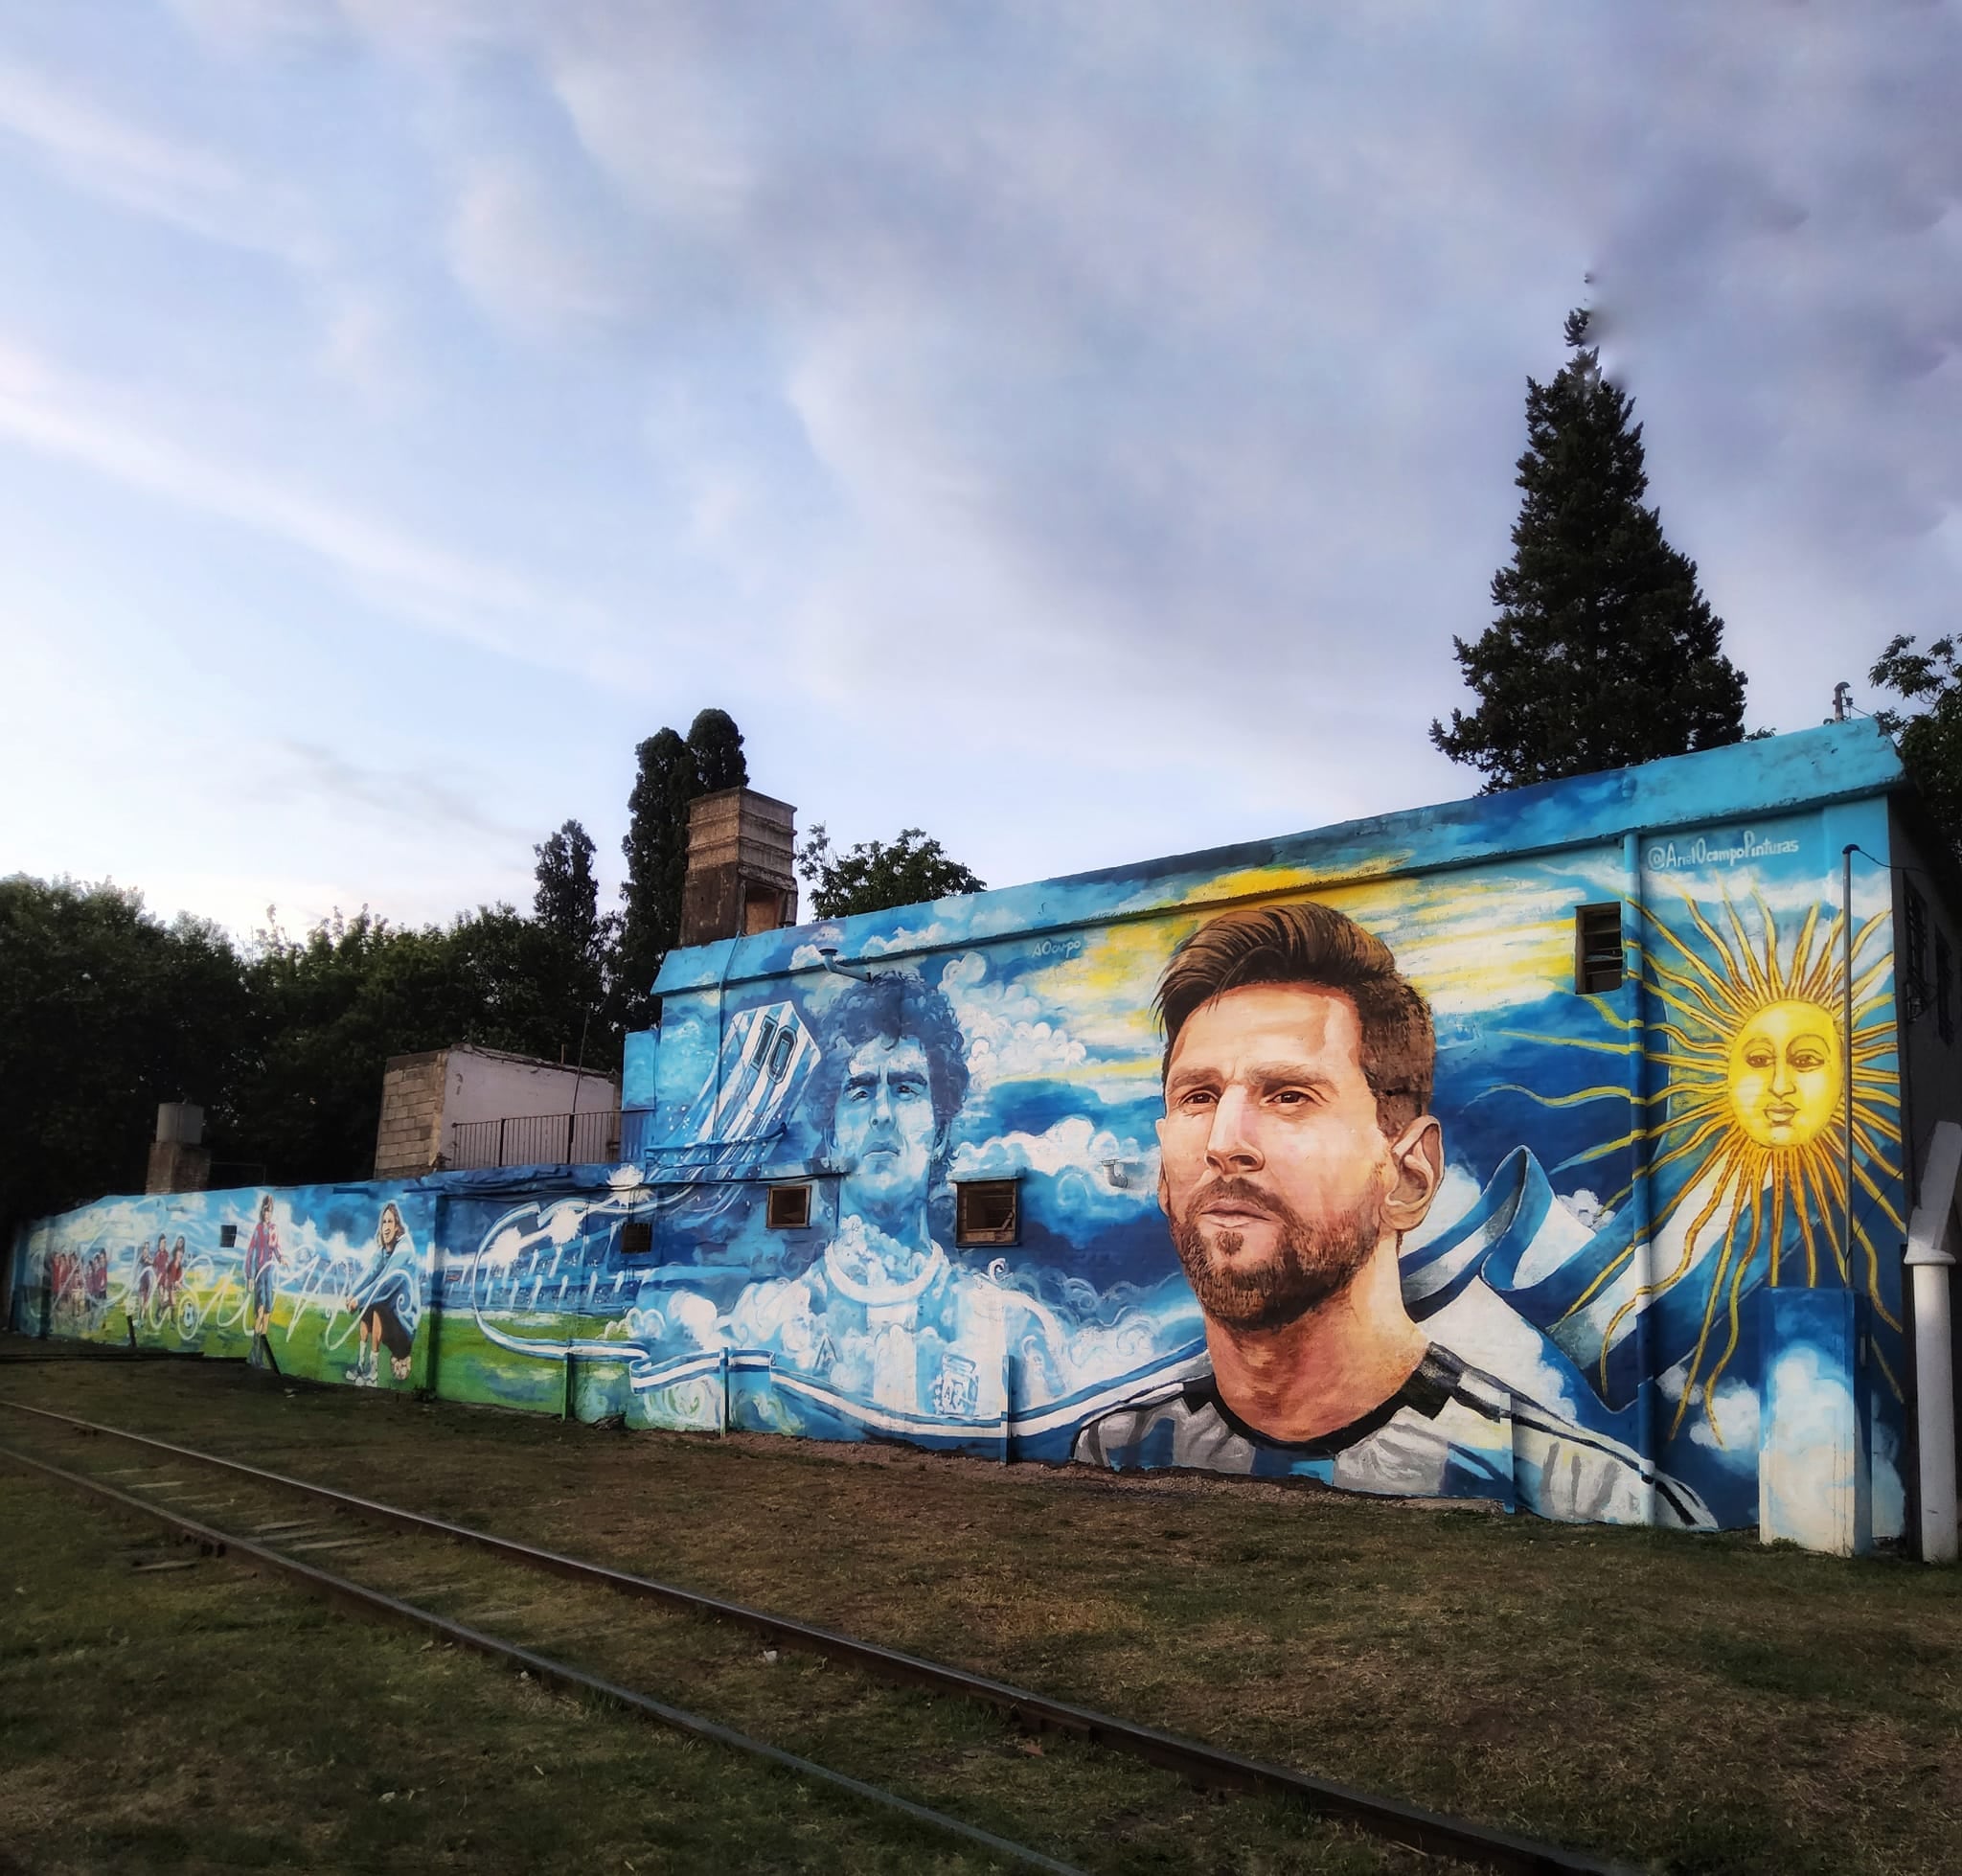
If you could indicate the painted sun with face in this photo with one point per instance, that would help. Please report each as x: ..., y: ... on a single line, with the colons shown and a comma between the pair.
x: 1785, y: 1073
x: 1748, y: 1144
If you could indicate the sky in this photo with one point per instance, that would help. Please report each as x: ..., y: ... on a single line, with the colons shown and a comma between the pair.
x: 1076, y: 429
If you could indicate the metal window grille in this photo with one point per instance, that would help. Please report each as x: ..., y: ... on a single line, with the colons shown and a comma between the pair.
x: 1913, y: 952
x: 228, y: 1236
x: 637, y: 1237
x: 1944, y: 993
x: 1599, y: 962
x: 986, y: 1212
x: 790, y: 1207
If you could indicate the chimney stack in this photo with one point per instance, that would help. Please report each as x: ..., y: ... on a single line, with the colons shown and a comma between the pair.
x: 741, y: 848
x: 178, y: 1161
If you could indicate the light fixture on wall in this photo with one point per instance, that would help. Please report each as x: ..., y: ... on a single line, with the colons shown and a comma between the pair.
x: 829, y: 954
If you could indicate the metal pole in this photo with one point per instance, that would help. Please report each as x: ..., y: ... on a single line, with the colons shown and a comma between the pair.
x: 1846, y: 965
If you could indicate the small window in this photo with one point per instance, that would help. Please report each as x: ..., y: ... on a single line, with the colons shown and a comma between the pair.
x: 790, y: 1207
x: 1599, y: 965
x: 986, y: 1212
x: 228, y: 1236
x: 637, y: 1237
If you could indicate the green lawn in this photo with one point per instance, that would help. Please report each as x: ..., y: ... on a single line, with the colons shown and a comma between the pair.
x: 1694, y: 1704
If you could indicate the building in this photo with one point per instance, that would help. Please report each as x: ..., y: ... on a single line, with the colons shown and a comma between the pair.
x: 1653, y: 1074
x: 468, y: 1107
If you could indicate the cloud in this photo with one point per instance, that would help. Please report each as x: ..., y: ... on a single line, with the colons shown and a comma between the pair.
x: 475, y: 599
x: 1093, y: 1169
x: 419, y: 796
x: 526, y: 259
x: 111, y: 153
x: 1734, y: 1407
x: 1011, y: 1032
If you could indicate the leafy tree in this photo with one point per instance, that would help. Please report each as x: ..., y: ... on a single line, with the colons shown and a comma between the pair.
x: 1605, y: 650
x: 331, y: 1008
x: 104, y: 1011
x: 717, y: 745
x: 873, y: 877
x: 1929, y: 736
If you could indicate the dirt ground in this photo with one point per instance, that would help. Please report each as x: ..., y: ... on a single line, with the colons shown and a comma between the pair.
x: 1685, y: 1702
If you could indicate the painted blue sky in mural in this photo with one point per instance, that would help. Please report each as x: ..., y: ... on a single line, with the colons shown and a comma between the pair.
x: 576, y: 365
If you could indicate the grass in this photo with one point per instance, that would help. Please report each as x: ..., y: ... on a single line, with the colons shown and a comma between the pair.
x: 1691, y: 1703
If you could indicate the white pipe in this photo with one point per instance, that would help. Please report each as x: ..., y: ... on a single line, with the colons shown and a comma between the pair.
x: 1934, y: 1379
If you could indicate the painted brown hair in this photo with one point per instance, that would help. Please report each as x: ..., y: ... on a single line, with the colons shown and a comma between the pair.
x: 1317, y: 948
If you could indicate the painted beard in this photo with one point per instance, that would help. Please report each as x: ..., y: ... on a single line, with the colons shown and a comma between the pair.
x: 1310, y: 1264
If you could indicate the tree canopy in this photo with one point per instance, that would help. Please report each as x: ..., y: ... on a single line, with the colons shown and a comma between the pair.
x: 873, y: 875
x: 1605, y: 650
x: 1930, y: 734
x: 105, y: 1011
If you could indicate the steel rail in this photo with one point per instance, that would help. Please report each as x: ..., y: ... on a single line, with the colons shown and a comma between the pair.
x: 543, y: 1668
x: 1209, y: 1767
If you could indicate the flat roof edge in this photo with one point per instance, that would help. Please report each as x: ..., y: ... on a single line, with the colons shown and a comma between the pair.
x: 1814, y: 768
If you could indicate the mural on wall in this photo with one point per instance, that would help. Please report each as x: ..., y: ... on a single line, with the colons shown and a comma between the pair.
x: 1372, y: 1214
x: 1349, y: 1183
x: 311, y: 1280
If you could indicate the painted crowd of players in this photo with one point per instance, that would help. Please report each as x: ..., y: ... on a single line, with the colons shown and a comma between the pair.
x: 384, y: 1298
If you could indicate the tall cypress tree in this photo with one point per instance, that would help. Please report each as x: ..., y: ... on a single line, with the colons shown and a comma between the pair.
x: 672, y: 772
x: 1605, y: 650
x: 717, y: 745
x: 657, y: 849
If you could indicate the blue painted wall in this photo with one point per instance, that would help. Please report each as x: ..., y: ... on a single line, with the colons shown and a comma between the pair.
x: 1623, y: 1179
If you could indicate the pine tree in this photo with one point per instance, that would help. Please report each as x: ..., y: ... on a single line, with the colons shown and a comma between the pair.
x: 717, y: 745
x: 1605, y: 650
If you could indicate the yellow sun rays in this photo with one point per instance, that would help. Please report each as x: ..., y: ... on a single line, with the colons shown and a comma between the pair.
x: 1755, y: 1064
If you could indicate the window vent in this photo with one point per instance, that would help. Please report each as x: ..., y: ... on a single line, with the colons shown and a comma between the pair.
x: 228, y: 1236
x: 986, y: 1212
x: 637, y: 1237
x: 790, y: 1207
x: 1599, y: 965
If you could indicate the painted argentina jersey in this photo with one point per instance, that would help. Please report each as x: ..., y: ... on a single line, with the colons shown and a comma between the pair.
x: 1448, y: 1432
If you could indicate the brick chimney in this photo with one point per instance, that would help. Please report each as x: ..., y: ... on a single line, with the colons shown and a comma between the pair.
x: 740, y: 876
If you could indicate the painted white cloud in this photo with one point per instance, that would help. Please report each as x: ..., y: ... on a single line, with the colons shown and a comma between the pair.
x: 1011, y: 1034
x: 1091, y: 1165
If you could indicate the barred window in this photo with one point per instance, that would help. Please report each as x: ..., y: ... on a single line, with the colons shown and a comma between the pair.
x: 986, y: 1212
x: 1599, y: 964
x: 637, y: 1238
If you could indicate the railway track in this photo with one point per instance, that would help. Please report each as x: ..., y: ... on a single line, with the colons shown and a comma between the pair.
x: 411, y: 1574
